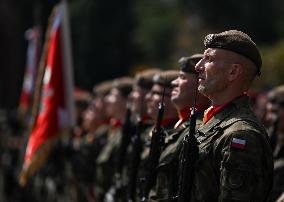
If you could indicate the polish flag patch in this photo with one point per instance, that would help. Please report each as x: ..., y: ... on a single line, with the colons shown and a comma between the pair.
x: 238, y: 143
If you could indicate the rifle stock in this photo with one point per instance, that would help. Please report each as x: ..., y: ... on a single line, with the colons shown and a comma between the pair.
x: 188, y: 158
x: 135, y: 161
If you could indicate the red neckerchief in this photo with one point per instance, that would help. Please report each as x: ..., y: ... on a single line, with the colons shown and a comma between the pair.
x: 104, y: 122
x: 184, y: 114
x: 145, y: 119
x: 213, y: 110
x: 115, y: 123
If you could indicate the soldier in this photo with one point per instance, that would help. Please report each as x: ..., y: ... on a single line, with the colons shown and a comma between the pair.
x: 183, y: 97
x: 162, y: 86
x: 95, y: 123
x: 162, y: 81
x: 275, y: 116
x: 142, y: 85
x: 116, y: 108
x: 234, y: 159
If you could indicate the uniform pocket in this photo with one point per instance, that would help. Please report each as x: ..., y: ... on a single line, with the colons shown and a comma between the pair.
x: 236, y: 183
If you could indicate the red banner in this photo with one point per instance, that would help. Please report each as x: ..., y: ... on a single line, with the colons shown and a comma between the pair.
x: 33, y: 37
x: 54, y: 113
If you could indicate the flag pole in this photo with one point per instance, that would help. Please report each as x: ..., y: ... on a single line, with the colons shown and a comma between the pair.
x: 68, y: 64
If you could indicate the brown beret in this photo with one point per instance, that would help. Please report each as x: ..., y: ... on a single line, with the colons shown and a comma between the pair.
x: 165, y: 78
x: 124, y: 85
x: 144, y: 79
x: 237, y: 42
x: 276, y: 95
x: 187, y: 64
x: 102, y: 88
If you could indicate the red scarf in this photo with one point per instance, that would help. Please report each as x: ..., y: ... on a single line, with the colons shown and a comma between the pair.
x: 184, y: 114
x: 213, y: 110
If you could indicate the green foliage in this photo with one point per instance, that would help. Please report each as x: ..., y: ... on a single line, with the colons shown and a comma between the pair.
x: 273, y: 62
x: 110, y: 37
x: 154, y: 36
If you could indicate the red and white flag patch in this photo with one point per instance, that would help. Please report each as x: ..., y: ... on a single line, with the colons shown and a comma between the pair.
x: 238, y: 143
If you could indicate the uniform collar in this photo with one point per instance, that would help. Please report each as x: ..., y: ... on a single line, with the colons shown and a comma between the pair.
x: 219, y: 117
x: 213, y: 110
x: 184, y: 114
x: 115, y: 123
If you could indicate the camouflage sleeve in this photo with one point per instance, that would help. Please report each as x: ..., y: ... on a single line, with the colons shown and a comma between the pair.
x: 242, y: 171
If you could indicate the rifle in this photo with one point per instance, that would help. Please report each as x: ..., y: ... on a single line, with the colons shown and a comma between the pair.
x: 135, y: 161
x: 156, y: 146
x: 189, y: 155
x: 116, y: 191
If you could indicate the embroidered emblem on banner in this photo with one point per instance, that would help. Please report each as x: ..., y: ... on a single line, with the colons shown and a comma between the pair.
x: 238, y: 143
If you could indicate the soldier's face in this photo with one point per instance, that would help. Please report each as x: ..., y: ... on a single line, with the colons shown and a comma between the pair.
x: 137, y: 97
x: 213, y: 71
x: 89, y: 119
x: 154, y: 98
x: 99, y: 106
x: 183, y: 91
x: 116, y: 103
x: 274, y: 112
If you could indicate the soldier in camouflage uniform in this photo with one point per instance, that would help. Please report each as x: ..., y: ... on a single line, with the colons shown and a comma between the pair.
x: 96, y: 124
x: 183, y: 97
x: 275, y: 116
x: 234, y: 160
x: 143, y: 83
x: 161, y: 81
x: 116, y: 102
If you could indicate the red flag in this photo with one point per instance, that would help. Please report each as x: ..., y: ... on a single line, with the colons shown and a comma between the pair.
x: 33, y: 37
x: 55, y: 108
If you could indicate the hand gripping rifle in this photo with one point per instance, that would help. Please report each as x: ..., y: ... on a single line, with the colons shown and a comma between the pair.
x: 189, y: 155
x: 156, y: 146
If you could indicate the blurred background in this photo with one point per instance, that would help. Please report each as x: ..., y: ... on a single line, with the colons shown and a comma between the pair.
x: 113, y: 38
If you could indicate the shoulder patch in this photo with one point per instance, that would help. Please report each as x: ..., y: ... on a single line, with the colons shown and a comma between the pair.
x: 238, y: 143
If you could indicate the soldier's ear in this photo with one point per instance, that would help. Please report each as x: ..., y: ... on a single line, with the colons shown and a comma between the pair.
x: 235, y: 71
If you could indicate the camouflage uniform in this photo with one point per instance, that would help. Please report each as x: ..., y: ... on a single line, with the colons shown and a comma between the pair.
x: 234, y: 160
x: 105, y: 163
x: 143, y: 169
x: 167, y: 174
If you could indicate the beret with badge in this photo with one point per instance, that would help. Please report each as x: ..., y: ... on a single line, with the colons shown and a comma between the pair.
x: 235, y: 41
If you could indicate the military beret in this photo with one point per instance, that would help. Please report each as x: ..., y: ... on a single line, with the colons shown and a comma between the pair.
x: 102, y: 88
x: 165, y: 78
x: 124, y: 85
x: 144, y: 79
x: 276, y: 95
x: 187, y: 64
x: 82, y: 97
x: 235, y: 41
